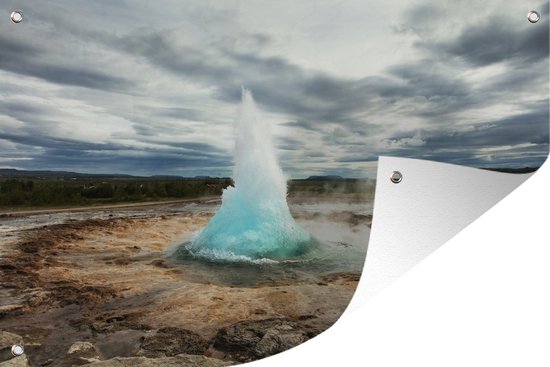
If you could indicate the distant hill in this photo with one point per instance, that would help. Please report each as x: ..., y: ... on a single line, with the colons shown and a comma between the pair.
x: 165, y: 177
x: 15, y: 173
x: 324, y: 178
x: 20, y: 173
x: 48, y: 174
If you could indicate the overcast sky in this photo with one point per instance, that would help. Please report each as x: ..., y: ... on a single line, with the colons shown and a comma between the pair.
x: 146, y: 88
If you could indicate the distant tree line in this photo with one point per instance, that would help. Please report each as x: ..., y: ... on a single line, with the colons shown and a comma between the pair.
x: 62, y: 191
x: 37, y: 192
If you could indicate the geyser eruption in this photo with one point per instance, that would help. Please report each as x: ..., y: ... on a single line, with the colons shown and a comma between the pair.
x: 254, y: 221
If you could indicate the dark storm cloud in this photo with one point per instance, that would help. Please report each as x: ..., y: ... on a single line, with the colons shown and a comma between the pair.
x: 287, y: 143
x: 34, y: 122
x: 353, y: 159
x: 142, y: 165
x: 421, y: 88
x: 511, y: 139
x: 150, y: 122
x: 19, y: 57
x: 514, y: 130
x: 177, y: 112
x: 56, y: 144
x: 73, y: 154
x: 278, y: 85
x: 18, y: 108
x: 418, y: 88
x: 198, y: 149
x: 145, y: 130
x: 316, y: 154
x: 158, y: 160
x: 60, y: 146
x: 528, y: 80
x: 513, y: 158
x: 426, y: 79
x: 496, y: 41
x: 160, y: 51
x: 304, y: 124
x: 346, y: 136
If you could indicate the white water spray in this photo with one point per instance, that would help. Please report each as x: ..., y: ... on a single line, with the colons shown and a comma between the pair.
x: 254, y: 221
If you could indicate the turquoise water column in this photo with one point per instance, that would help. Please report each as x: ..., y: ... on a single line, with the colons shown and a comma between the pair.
x: 254, y: 220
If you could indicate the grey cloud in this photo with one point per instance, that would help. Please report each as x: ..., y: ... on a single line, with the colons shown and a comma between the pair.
x: 316, y: 154
x: 345, y: 136
x: 428, y: 80
x: 18, y: 108
x: 332, y: 110
x: 532, y: 79
x: 20, y: 57
x: 519, y: 129
x: 143, y: 165
x: 146, y: 130
x: 64, y: 145
x: 277, y: 85
x: 518, y: 138
x: 177, y: 112
x: 73, y: 154
x: 61, y: 146
x: 516, y: 158
x: 287, y: 143
x: 496, y: 40
x: 355, y: 159
x: 198, y: 149
x: 305, y: 125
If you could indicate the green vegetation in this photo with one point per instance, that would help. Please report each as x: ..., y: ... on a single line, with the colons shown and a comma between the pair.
x: 25, y: 189
x: 36, y: 192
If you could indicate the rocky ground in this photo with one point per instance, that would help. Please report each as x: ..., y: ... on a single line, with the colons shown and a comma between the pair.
x: 101, y: 292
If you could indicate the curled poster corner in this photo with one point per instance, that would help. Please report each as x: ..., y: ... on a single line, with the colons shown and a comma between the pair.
x: 432, y: 203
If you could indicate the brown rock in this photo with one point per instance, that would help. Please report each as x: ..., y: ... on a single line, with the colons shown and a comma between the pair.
x: 83, y: 350
x: 20, y: 361
x: 9, y: 309
x: 171, y: 341
x: 250, y: 340
x: 181, y: 360
x: 9, y: 339
x: 159, y: 263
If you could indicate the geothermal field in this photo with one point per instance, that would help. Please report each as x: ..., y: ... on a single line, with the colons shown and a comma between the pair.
x: 110, y: 278
x: 209, y: 281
